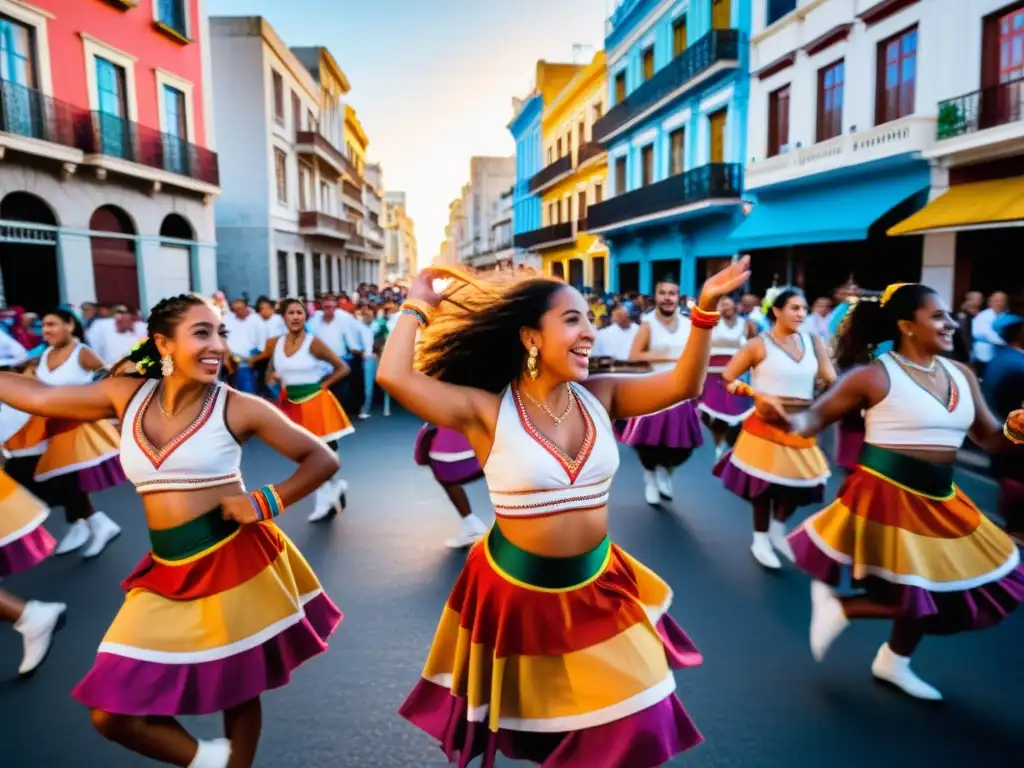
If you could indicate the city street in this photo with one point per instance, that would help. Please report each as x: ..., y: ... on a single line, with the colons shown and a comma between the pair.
x: 759, y: 699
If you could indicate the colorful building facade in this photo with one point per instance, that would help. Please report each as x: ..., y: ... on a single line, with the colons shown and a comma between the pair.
x: 675, y: 134
x: 108, y: 172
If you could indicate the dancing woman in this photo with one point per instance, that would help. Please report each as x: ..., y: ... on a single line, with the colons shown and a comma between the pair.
x: 224, y: 607
x: 663, y: 440
x: 73, y: 459
x: 297, y: 359
x: 722, y: 411
x: 546, y: 606
x: 450, y: 457
x: 775, y: 471
x: 925, y: 557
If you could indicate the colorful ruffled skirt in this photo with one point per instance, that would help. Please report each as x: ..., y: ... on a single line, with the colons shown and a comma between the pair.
x: 24, y: 541
x: 849, y: 439
x: 565, y: 662
x: 317, y: 410
x: 214, y: 616
x: 909, y: 537
x: 717, y: 403
x: 675, y: 427
x: 448, y: 454
x: 768, y: 462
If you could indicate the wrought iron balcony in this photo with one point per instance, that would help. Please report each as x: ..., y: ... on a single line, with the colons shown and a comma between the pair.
x: 717, y: 47
x: 545, y: 236
x: 29, y: 113
x: 588, y: 151
x: 324, y: 225
x: 715, y: 181
x: 985, y: 108
x: 350, y: 190
x: 313, y: 142
x: 357, y: 242
x: 549, y: 173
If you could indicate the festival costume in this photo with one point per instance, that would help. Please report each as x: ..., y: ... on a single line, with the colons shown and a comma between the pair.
x: 716, y: 403
x: 665, y: 439
x: 453, y: 462
x: 564, y: 662
x: 217, y: 613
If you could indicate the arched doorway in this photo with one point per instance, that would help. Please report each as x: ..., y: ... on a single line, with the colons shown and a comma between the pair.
x: 113, y: 258
x: 171, y: 274
x: 28, y: 254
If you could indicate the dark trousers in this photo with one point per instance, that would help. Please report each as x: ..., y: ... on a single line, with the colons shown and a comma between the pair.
x: 654, y: 456
x: 62, y: 491
x: 354, y: 391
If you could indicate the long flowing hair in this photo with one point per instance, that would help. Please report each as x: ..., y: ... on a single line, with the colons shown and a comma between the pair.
x: 473, y: 339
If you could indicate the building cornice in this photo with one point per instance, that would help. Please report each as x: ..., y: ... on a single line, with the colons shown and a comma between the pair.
x: 327, y: 60
x: 352, y: 121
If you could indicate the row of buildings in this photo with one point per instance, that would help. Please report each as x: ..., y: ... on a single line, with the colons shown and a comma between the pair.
x: 878, y: 139
x: 147, y: 149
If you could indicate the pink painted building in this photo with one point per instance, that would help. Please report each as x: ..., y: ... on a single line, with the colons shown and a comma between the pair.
x: 109, y: 173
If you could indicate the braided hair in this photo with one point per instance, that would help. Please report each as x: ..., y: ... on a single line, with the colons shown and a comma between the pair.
x: 143, y: 361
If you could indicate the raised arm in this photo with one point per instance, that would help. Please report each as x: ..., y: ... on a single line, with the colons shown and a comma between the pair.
x: 84, y: 402
x: 321, y: 351
x: 861, y: 388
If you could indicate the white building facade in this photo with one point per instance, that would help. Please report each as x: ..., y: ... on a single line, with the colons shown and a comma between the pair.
x: 373, y: 211
x: 401, y: 259
x: 489, y: 179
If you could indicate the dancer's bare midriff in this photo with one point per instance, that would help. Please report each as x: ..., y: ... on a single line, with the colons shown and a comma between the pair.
x: 169, y: 509
x: 565, y: 534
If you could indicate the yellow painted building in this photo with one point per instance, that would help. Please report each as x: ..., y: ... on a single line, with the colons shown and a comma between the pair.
x: 574, y: 178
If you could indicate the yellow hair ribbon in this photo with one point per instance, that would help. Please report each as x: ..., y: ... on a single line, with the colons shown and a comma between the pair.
x: 890, y: 290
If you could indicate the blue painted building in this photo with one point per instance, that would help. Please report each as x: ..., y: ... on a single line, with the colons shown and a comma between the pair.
x: 675, y: 133
x: 525, y: 129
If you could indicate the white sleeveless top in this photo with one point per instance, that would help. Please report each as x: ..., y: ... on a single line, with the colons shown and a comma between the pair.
x: 911, y: 415
x: 529, y: 476
x: 664, y: 341
x: 299, y: 368
x: 781, y: 375
x: 726, y: 340
x: 69, y: 372
x: 204, y: 455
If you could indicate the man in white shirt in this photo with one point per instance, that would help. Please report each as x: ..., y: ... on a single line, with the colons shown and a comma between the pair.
x: 340, y: 332
x: 616, y: 340
x: 11, y: 352
x: 985, y: 338
x: 113, y: 338
x: 246, y: 338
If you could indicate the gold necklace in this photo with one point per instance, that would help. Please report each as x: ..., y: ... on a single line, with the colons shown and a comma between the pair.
x: 557, y: 419
x: 169, y: 416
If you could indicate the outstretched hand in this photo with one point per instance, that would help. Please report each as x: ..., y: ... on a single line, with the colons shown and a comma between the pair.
x: 723, y: 283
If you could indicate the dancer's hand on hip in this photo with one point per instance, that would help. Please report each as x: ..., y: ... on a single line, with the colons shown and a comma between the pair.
x: 239, y: 509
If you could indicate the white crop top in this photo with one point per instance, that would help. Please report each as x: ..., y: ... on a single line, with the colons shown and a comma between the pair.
x: 529, y: 476
x: 301, y: 367
x: 67, y: 373
x: 781, y: 375
x: 204, y: 455
x: 911, y: 415
x: 666, y: 342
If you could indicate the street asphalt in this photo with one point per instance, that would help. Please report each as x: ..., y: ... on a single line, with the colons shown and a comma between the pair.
x: 759, y: 698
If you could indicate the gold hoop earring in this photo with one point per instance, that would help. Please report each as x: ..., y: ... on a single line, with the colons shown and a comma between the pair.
x: 166, y: 365
x: 531, y: 363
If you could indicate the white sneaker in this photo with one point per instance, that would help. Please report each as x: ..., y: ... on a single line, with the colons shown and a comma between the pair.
x: 895, y: 670
x: 777, y: 535
x: 651, y: 493
x: 104, y: 530
x: 720, y: 450
x: 828, y: 620
x: 363, y: 415
x: 37, y: 625
x: 471, y: 530
x: 215, y: 753
x: 324, y: 502
x: 76, y: 537
x: 663, y: 480
x: 762, y: 551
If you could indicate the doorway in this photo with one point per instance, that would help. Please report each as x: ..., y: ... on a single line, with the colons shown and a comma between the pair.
x: 114, y: 267
x: 28, y: 255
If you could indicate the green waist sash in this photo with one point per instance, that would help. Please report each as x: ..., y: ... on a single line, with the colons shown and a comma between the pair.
x: 300, y: 393
x: 917, y: 475
x: 546, y: 572
x: 193, y: 537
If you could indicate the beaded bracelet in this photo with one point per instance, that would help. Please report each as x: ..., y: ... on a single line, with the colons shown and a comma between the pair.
x: 418, y: 309
x: 1012, y: 435
x: 414, y: 313
x: 267, y: 502
x: 703, y: 319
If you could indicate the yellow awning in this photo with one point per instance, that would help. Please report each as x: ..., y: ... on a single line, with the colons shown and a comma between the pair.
x: 979, y: 205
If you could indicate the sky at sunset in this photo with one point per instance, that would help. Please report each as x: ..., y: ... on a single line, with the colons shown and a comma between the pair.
x: 433, y: 80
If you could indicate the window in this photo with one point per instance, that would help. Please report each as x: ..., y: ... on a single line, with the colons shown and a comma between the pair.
x: 620, y: 87
x: 830, y: 101
x: 304, y: 176
x: 716, y: 129
x: 300, y: 274
x: 558, y: 147
x: 647, y: 165
x: 325, y: 197
x: 551, y: 155
x: 679, y: 35
x: 897, y: 77
x: 552, y: 215
x: 282, y: 274
x: 620, y: 175
x: 647, y: 62
x: 278, y: 97
x: 17, y: 53
x: 112, y: 93
x: 581, y: 135
x: 171, y: 13
x: 317, y: 275
x: 175, y: 129
x: 310, y: 120
x: 598, y: 111
x: 566, y: 209
x: 296, y: 112
x: 598, y: 192
x: 677, y: 151
x: 281, y: 175
x: 779, y: 8
x: 581, y: 205
x: 721, y: 14
x: 778, y: 121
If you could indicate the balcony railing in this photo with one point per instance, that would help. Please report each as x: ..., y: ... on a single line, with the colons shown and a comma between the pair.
x: 718, y: 45
x: 708, y: 182
x: 550, y: 172
x: 588, y: 151
x: 316, y: 140
x: 27, y: 112
x: 357, y: 241
x: 351, y: 190
x: 324, y: 224
x: 986, y: 108
x: 538, y: 238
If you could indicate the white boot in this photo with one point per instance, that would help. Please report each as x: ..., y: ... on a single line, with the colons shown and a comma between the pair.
x: 651, y: 493
x: 777, y: 535
x: 471, y: 530
x: 896, y: 670
x: 104, y: 530
x: 720, y: 450
x: 212, y: 754
x: 76, y: 537
x: 663, y: 479
x: 828, y: 620
x: 323, y: 502
x: 762, y: 551
x: 37, y: 625
x: 339, y: 493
